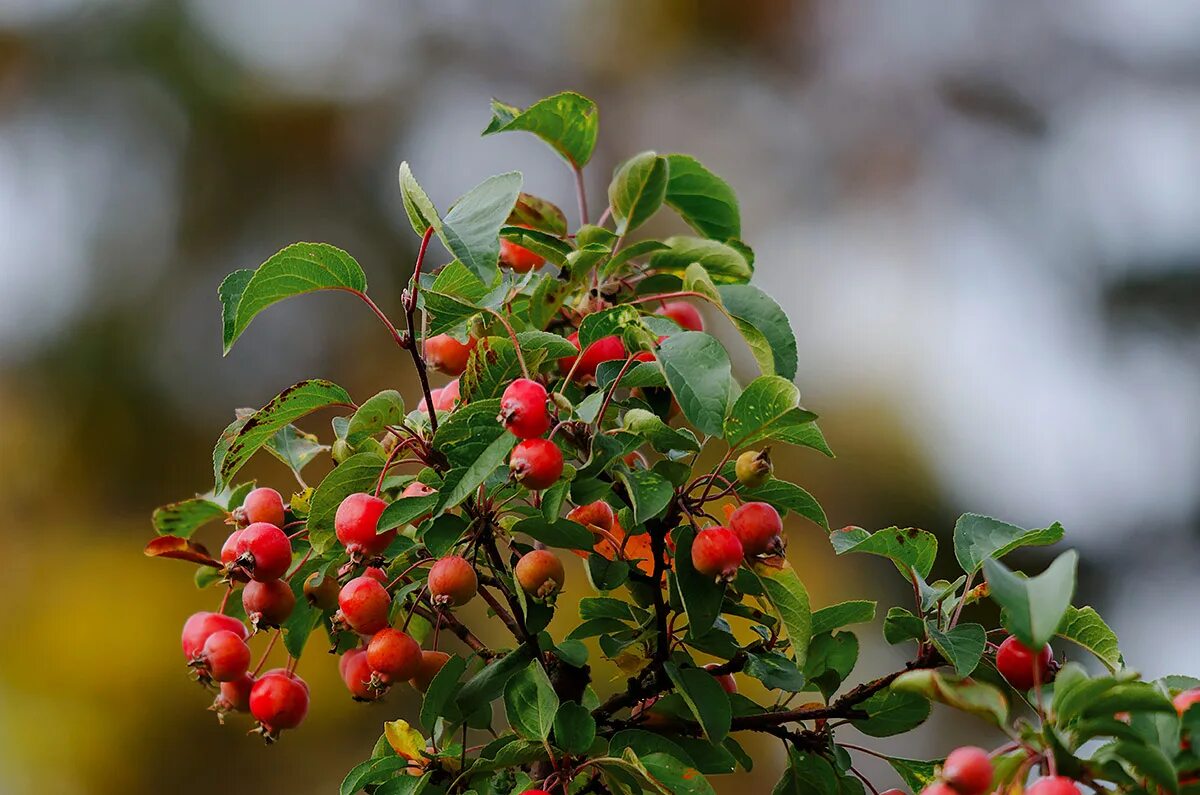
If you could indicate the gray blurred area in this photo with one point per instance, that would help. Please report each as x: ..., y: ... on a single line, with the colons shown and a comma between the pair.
x: 983, y: 219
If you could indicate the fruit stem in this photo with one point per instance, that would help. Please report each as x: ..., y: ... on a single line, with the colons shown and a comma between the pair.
x: 267, y: 652
x: 580, y: 194
x: 612, y: 390
x: 512, y: 335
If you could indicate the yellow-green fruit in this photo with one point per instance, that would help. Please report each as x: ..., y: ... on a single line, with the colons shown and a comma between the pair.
x: 753, y: 468
x: 341, y: 451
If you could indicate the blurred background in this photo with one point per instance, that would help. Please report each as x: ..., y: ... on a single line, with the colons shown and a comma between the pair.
x: 983, y: 219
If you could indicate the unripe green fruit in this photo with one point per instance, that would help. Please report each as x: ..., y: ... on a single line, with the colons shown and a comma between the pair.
x: 321, y: 590
x: 341, y: 451
x: 753, y: 468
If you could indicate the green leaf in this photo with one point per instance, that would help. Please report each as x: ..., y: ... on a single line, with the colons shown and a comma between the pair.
x: 661, y: 436
x: 457, y: 281
x: 186, y: 516
x: 466, y: 432
x: 493, y: 456
x: 702, y: 199
x: 487, y: 685
x: 530, y: 702
x: 649, y: 493
x: 977, y: 538
x: 765, y: 326
x: 674, y: 776
x: 544, y: 244
x: 420, y: 210
x: 767, y: 408
x: 555, y: 347
x: 724, y: 263
x: 908, y: 548
x: 561, y: 533
x: 1033, y: 607
x: 830, y: 660
x: 356, y: 474
x: 891, y: 712
x: 372, y: 771
x: 632, y: 251
x: 538, y: 213
x: 916, y: 773
x: 790, y: 598
x: 827, y: 619
x: 230, y: 295
x: 962, y: 646
x: 295, y: 448
x: 471, y: 229
x: 574, y: 728
x: 302, y: 620
x: 438, y: 701
x: 807, y: 774
x: 407, y: 510
x: 376, y: 413
x: 968, y: 695
x: 775, y: 671
x: 606, y: 323
x: 492, y: 366
x: 299, y: 268
x: 700, y: 376
x: 244, y: 437
x: 1085, y: 627
x: 568, y: 122
x: 901, y: 625
x: 705, y: 697
x: 637, y: 190
x: 1146, y: 760
x: 701, y: 597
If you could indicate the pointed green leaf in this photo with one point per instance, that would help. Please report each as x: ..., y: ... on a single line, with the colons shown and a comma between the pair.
x: 299, y: 268
x: 417, y: 206
x: 568, y: 122
x: 1085, y: 627
x: 702, y: 198
x: 765, y: 327
x: 186, y: 516
x: 790, y: 598
x: 977, y: 538
x: 968, y: 695
x: 962, y: 646
x: 376, y: 413
x: 538, y: 213
x: 908, y: 548
x: 574, y: 728
x: 471, y: 229
x: 1034, y: 607
x: 766, y: 410
x: 724, y: 263
x: 705, y: 697
x: 842, y: 614
x: 700, y: 376
x: 530, y: 702
x: 637, y: 190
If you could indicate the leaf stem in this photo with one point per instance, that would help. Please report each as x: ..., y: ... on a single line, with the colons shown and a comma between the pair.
x: 580, y: 194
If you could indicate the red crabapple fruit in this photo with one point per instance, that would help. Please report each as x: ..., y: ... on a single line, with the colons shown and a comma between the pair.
x: 759, y: 528
x: 264, y: 551
x: 234, y: 696
x: 684, y: 314
x: 536, y: 464
x: 1019, y: 665
x: 431, y: 663
x: 364, y: 604
x: 268, y: 604
x: 264, y: 505
x: 717, y: 553
x: 198, y: 628
x: 229, y: 551
x: 602, y: 350
x: 393, y: 655
x: 452, y: 582
x: 448, y: 355
x: 224, y: 658
x: 356, y: 523
x: 518, y: 258
x: 968, y: 770
x: 356, y: 673
x: 1053, y: 785
x: 278, y: 701
x: 540, y: 574
x: 523, y: 409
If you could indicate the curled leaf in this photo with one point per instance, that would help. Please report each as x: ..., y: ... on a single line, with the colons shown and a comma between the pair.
x: 180, y: 549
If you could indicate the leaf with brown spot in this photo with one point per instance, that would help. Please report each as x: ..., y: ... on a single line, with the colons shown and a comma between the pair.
x: 180, y: 549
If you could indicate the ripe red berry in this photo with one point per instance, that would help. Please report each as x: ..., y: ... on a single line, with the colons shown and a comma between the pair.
x: 447, y: 399
x: 431, y: 663
x: 198, y: 628
x: 717, y: 553
x: 518, y: 258
x: 229, y: 551
x: 356, y: 673
x: 1019, y: 665
x: 364, y: 604
x: 234, y: 695
x: 523, y: 409
x: 1186, y: 699
x: 452, y: 581
x: 448, y: 355
x: 759, y: 528
x: 939, y: 788
x: 279, y: 701
x: 536, y: 463
x: 393, y: 655
x: 264, y: 505
x: 892, y: 791
x: 356, y: 524
x: 968, y: 770
x: 684, y: 314
x: 602, y: 350
x: 321, y: 590
x: 264, y: 551
x: 540, y: 573
x: 535, y: 792
x: 598, y: 513
x: 1053, y: 785
x: 417, y: 489
x: 225, y: 656
x: 268, y: 604
x: 726, y: 681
